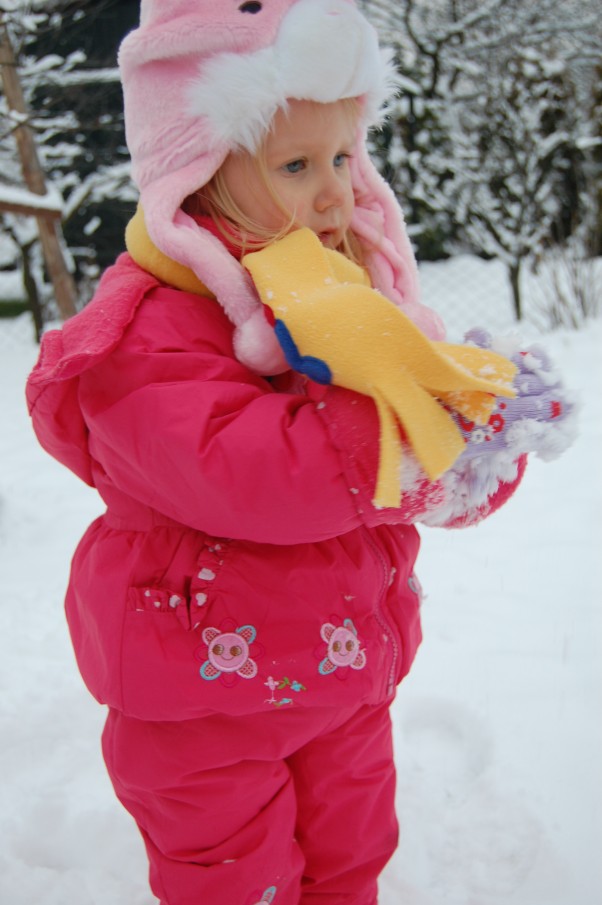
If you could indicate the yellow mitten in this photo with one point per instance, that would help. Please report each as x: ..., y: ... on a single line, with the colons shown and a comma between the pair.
x: 336, y: 329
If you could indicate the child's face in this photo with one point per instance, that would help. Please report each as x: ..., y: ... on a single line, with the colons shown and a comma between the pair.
x: 307, y: 156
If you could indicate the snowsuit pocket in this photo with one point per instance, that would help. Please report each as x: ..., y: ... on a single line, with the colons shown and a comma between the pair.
x: 158, y: 665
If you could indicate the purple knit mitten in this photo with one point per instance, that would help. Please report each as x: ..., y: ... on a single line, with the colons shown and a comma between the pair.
x: 541, y: 419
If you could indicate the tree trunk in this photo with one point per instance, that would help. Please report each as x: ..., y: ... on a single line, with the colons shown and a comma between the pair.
x: 31, y: 289
x: 33, y: 175
x: 514, y: 275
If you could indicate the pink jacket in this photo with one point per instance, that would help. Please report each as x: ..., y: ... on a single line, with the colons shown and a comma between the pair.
x: 240, y: 565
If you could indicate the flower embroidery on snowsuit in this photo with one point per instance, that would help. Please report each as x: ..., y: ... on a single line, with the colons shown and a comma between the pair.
x: 228, y: 653
x: 266, y: 898
x: 343, y: 647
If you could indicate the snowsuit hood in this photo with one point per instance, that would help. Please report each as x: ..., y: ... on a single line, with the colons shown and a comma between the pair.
x: 83, y: 341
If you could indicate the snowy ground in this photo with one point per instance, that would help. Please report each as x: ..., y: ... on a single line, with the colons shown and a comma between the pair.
x: 498, y: 730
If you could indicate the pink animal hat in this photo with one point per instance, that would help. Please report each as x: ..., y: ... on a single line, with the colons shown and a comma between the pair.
x: 203, y: 77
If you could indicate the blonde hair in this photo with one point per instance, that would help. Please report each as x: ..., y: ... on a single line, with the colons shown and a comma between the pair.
x: 243, y: 232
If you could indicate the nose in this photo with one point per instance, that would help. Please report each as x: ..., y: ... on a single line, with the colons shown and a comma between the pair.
x: 330, y: 193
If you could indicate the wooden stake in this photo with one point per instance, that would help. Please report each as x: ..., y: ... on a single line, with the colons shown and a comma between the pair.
x: 48, y: 226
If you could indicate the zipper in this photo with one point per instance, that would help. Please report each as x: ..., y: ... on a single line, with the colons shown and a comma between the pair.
x: 383, y: 622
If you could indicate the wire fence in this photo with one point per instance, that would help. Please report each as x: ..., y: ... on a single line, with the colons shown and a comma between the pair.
x: 467, y: 292
x: 564, y: 291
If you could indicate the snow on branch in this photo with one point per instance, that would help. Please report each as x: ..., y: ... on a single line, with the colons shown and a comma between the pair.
x: 18, y: 200
x: 82, y: 77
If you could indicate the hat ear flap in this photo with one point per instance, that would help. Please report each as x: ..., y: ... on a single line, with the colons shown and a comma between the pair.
x: 379, y: 225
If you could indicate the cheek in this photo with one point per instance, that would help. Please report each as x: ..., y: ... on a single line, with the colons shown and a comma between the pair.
x: 349, y: 205
x: 293, y: 200
x: 244, y: 186
x: 259, y: 205
x: 269, y: 215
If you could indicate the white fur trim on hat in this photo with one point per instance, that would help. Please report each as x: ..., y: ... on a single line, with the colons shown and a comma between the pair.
x: 323, y: 52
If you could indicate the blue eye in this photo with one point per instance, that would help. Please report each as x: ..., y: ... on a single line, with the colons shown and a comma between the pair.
x: 295, y: 166
x: 340, y: 159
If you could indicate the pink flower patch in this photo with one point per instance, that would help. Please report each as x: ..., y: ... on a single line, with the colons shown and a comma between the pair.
x: 343, y: 648
x: 226, y: 654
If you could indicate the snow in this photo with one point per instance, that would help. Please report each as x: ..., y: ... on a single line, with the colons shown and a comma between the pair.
x: 21, y: 197
x: 497, y: 728
x: 84, y: 77
x: 11, y: 286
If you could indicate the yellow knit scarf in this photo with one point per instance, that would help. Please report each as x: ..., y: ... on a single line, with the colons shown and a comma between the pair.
x: 327, y: 312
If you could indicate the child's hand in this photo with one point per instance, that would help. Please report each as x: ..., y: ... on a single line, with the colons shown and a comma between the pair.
x: 541, y: 419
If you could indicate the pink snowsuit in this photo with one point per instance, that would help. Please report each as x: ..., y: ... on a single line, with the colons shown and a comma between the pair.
x: 242, y: 609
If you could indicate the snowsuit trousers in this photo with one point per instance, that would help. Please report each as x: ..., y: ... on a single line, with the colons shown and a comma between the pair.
x: 289, y: 807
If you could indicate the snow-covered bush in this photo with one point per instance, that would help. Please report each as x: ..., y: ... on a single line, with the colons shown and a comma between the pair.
x: 494, y: 144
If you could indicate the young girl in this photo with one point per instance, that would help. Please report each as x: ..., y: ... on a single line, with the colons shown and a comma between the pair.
x: 247, y: 604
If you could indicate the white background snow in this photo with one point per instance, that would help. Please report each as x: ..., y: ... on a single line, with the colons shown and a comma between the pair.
x: 498, y: 727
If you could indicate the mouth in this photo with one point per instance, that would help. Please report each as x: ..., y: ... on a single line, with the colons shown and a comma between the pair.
x: 329, y: 238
